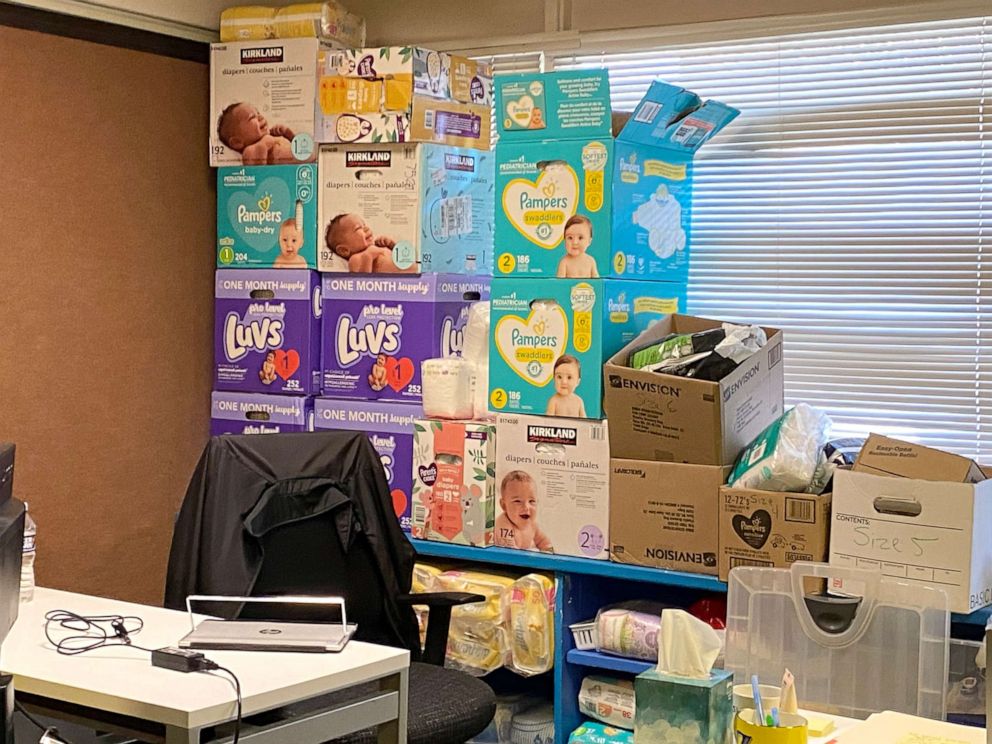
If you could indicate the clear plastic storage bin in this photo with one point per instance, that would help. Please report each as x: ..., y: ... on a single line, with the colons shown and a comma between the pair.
x: 858, y: 642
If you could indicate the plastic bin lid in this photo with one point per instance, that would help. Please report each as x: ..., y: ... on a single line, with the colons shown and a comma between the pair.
x: 857, y: 642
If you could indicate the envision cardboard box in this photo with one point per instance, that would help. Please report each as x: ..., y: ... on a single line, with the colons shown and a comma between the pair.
x: 772, y: 529
x: 884, y: 456
x: 922, y: 531
x: 663, y: 514
x: 678, y: 419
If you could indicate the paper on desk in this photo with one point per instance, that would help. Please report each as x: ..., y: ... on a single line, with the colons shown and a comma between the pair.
x: 899, y: 728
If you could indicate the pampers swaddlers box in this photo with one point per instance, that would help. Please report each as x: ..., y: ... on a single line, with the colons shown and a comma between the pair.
x: 652, y: 181
x: 267, y: 217
x: 262, y: 102
x: 537, y: 322
x: 378, y: 330
x: 257, y: 413
x: 553, y: 105
x: 432, y: 204
x: 267, y: 331
x: 389, y: 427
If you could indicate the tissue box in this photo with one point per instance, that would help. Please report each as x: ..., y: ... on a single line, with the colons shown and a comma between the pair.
x: 255, y: 413
x: 682, y: 709
x: 454, y: 484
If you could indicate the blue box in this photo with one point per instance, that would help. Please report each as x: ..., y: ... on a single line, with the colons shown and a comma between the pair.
x: 698, y: 710
x: 652, y: 181
x: 571, y: 104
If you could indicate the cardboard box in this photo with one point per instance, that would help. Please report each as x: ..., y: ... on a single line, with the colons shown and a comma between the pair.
x: 429, y: 208
x: 571, y: 104
x: 677, y: 419
x: 771, y: 528
x: 256, y: 413
x: 262, y: 102
x: 553, y: 485
x: 403, y: 94
x: 922, y: 531
x: 652, y: 181
x: 884, y: 456
x: 389, y: 427
x: 536, y: 322
x: 454, y: 481
x: 664, y: 514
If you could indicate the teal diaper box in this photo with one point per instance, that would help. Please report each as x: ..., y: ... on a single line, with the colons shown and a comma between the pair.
x: 553, y: 105
x: 652, y: 181
x: 550, y: 337
x: 685, y: 709
x: 267, y: 217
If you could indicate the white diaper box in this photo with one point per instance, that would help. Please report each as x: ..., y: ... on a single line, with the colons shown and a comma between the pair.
x: 553, y: 479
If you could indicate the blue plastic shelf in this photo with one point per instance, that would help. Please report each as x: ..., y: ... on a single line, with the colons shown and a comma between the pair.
x: 597, y: 660
x: 567, y: 564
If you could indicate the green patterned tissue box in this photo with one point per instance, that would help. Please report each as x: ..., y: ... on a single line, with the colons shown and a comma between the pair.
x: 670, y: 709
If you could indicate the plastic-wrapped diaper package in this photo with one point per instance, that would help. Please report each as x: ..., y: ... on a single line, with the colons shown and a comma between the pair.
x: 837, y: 453
x: 591, y: 732
x: 629, y: 630
x: 785, y: 456
x: 707, y: 355
x: 608, y: 699
x: 476, y: 647
x: 424, y: 576
x: 475, y: 348
x: 448, y: 388
x: 327, y: 21
x: 531, y: 624
x: 492, y: 586
x: 534, y: 726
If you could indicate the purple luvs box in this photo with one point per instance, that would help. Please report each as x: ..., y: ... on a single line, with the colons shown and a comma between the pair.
x: 377, y: 330
x: 267, y: 331
x: 389, y: 427
x: 257, y: 413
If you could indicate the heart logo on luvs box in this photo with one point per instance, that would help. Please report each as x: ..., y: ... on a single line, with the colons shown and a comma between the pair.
x: 539, y: 209
x: 287, y: 362
x: 521, y: 111
x: 256, y: 215
x: 399, y: 372
x: 754, y: 530
x: 530, y: 347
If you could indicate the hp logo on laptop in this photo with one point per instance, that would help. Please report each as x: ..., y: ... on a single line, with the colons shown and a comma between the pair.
x: 270, y: 631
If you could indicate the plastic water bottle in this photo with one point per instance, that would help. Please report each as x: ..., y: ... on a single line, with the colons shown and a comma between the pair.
x: 27, y: 557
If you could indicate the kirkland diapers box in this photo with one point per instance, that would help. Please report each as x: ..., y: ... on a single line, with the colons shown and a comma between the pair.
x: 267, y: 331
x: 550, y: 336
x: 262, y: 102
x: 655, y: 416
x: 930, y: 529
x: 553, y: 485
x: 378, y: 330
x: 256, y: 413
x: 454, y: 483
x: 771, y: 528
x: 267, y: 217
x: 403, y: 94
x: 405, y: 208
x: 664, y: 515
x: 389, y: 427
x: 652, y: 180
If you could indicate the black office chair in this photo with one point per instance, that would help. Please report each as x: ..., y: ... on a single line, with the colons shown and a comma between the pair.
x: 311, y: 514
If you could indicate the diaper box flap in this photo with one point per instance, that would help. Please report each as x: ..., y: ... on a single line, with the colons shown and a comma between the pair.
x: 366, y: 415
x: 676, y: 119
x: 554, y: 105
x: 256, y: 413
x: 264, y: 284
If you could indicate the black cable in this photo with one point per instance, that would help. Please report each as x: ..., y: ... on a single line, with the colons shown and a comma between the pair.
x: 210, y: 666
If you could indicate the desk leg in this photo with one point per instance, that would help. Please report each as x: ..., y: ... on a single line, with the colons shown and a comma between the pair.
x: 177, y: 735
x: 394, y: 732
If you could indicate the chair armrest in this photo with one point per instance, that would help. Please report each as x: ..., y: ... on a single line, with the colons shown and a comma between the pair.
x: 439, y: 619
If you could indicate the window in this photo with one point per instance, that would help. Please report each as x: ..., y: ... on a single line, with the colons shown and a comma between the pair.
x: 849, y: 205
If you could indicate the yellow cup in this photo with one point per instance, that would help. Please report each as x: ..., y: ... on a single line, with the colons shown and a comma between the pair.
x: 792, y: 731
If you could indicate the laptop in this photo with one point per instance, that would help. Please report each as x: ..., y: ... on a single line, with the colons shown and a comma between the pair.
x: 264, y: 635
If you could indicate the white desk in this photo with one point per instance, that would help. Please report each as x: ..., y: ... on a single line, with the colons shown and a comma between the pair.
x: 118, y: 688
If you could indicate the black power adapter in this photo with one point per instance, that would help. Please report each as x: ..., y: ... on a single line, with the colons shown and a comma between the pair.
x: 181, y: 660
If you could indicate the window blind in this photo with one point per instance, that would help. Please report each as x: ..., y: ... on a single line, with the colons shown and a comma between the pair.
x: 849, y: 206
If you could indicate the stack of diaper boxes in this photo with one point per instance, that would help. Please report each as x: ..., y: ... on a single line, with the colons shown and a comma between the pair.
x: 371, y: 166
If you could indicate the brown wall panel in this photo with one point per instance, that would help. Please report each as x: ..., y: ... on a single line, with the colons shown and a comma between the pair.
x: 106, y: 266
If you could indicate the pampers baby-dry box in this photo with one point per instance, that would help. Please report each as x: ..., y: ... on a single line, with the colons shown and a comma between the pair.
x: 262, y: 102
x: 257, y: 413
x: 267, y: 331
x: 416, y: 207
x: 550, y: 337
x: 652, y: 181
x: 389, y: 427
x: 378, y: 330
x: 267, y: 217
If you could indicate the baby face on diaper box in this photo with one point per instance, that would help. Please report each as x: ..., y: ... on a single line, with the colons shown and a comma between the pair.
x: 453, y: 481
x: 553, y: 485
x: 267, y: 217
x: 388, y: 209
x: 262, y: 102
x: 550, y: 337
x: 389, y: 427
x: 256, y: 413
x: 378, y: 330
x: 554, y: 207
x: 267, y: 331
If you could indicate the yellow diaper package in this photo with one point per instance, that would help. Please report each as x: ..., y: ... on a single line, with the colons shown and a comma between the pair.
x: 424, y: 578
x: 531, y: 624
x: 493, y: 587
x: 476, y: 647
x: 329, y: 21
